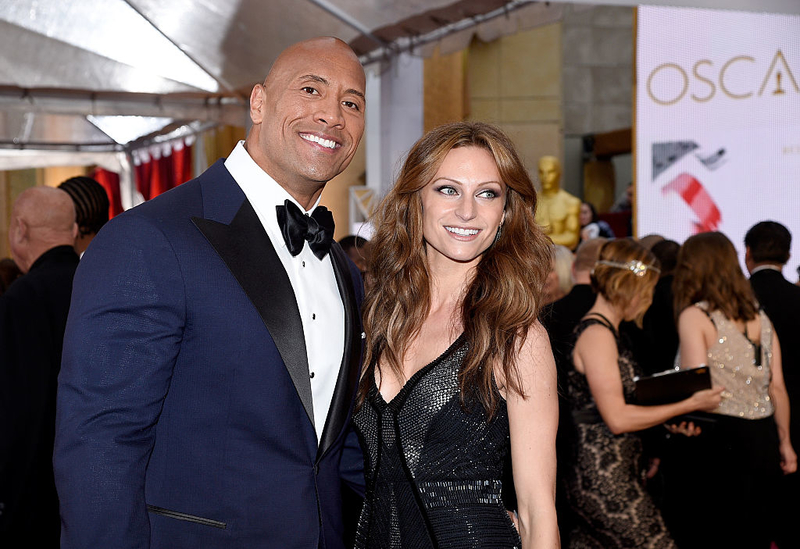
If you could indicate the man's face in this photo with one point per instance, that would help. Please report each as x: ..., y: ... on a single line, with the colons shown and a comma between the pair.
x: 549, y: 174
x: 308, y: 115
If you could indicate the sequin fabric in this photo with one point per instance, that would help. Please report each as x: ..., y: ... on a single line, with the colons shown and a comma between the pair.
x: 733, y: 365
x: 604, y: 483
x: 433, y: 468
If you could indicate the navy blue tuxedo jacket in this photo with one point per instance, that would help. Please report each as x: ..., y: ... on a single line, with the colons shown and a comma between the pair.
x: 184, y: 413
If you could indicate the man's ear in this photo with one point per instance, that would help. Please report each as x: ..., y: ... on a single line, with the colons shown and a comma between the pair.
x: 22, y: 231
x: 257, y: 98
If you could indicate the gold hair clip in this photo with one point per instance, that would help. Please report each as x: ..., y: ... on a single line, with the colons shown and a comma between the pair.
x: 634, y: 265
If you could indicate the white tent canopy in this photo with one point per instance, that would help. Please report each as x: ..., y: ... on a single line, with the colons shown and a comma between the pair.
x: 67, y: 66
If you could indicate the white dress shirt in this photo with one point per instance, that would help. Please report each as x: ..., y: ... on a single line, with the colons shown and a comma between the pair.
x: 313, y: 280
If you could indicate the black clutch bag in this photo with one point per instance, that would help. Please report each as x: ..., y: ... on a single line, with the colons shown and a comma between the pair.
x: 671, y: 385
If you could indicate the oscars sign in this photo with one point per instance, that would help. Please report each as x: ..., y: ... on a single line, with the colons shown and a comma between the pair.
x: 717, y: 122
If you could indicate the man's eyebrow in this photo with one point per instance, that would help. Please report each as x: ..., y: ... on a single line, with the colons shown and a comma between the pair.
x: 321, y: 80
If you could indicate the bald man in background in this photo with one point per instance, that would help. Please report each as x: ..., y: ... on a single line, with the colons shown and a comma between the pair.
x: 33, y: 315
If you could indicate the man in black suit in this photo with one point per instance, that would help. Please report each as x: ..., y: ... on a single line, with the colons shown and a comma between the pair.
x: 560, y: 319
x: 767, y: 246
x: 213, y: 345
x: 33, y: 314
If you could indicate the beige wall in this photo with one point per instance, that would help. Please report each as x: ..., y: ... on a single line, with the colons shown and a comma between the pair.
x: 515, y: 82
x: 53, y: 177
x: 445, y: 94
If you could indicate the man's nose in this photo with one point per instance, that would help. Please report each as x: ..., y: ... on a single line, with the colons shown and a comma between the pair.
x: 330, y: 112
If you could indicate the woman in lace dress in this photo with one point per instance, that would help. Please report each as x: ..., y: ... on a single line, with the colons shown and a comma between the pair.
x: 605, y: 482
x: 734, y: 465
x: 459, y: 372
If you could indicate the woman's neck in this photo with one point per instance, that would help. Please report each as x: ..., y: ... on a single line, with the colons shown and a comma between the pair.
x: 605, y: 308
x: 449, y: 282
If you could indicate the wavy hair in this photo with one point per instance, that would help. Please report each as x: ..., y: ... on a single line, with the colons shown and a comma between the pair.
x: 708, y: 270
x: 501, y: 302
x: 620, y: 285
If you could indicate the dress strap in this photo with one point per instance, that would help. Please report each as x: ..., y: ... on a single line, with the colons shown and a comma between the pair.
x: 602, y: 319
x: 705, y: 311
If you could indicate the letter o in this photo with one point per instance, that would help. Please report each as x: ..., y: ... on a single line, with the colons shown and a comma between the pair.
x: 680, y: 95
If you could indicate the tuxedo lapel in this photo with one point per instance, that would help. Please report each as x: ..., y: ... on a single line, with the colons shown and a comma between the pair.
x: 248, y: 252
x: 349, y: 369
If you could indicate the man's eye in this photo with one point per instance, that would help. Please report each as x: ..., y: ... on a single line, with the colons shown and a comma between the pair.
x: 351, y: 105
x: 309, y: 90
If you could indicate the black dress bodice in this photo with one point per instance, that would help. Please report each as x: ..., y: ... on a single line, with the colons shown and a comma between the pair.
x: 433, y: 465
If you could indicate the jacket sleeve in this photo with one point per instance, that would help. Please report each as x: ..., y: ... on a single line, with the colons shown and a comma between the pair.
x: 123, y: 336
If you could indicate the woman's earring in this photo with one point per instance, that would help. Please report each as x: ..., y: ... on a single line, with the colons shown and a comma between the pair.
x: 498, y: 233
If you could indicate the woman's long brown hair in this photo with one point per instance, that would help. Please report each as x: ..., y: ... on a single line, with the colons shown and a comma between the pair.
x: 501, y: 302
x: 708, y: 270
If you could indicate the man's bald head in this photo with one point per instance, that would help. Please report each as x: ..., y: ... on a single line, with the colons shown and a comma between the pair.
x: 42, y: 218
x: 585, y: 257
x: 317, y: 49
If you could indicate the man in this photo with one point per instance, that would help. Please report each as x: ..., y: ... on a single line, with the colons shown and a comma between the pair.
x: 33, y: 314
x: 357, y: 249
x: 560, y: 319
x: 558, y: 211
x: 91, y: 208
x: 212, y: 353
x: 767, y: 246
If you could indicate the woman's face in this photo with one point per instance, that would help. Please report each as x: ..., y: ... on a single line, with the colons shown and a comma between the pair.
x: 585, y: 215
x: 463, y: 206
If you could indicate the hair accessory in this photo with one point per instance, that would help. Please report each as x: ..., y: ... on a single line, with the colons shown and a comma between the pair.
x: 634, y: 265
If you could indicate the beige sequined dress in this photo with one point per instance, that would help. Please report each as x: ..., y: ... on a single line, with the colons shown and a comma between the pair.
x: 741, y: 366
x: 720, y: 485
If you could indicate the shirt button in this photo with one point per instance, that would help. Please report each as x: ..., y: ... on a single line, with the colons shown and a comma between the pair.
x: 311, y: 375
x: 304, y: 263
x: 313, y: 316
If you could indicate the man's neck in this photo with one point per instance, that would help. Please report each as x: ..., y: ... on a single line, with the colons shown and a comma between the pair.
x: 766, y: 266
x: 583, y: 277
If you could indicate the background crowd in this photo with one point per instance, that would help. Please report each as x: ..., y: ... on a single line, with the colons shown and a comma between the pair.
x: 143, y: 408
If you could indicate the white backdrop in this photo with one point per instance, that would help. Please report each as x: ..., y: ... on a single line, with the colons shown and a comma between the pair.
x: 717, y: 123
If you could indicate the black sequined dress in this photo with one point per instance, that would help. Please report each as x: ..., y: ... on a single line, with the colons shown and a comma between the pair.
x: 433, y: 469
x: 604, y: 481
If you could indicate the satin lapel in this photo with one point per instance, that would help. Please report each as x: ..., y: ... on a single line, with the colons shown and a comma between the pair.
x: 247, y: 251
x: 349, y: 369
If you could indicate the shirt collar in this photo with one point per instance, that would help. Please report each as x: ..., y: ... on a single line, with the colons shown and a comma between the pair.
x: 263, y: 192
x: 766, y: 267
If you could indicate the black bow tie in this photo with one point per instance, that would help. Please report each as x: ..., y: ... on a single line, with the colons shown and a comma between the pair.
x: 298, y: 228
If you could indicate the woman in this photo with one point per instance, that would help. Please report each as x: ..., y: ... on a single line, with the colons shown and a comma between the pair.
x: 591, y: 225
x: 610, y: 506
x: 559, y: 279
x: 741, y: 457
x: 458, y: 365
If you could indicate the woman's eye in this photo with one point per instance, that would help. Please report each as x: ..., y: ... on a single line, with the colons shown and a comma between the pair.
x: 488, y: 193
x: 449, y: 191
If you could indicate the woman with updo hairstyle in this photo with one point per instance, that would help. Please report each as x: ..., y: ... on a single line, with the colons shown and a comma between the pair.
x: 605, y: 482
x: 736, y: 464
x: 458, y: 371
